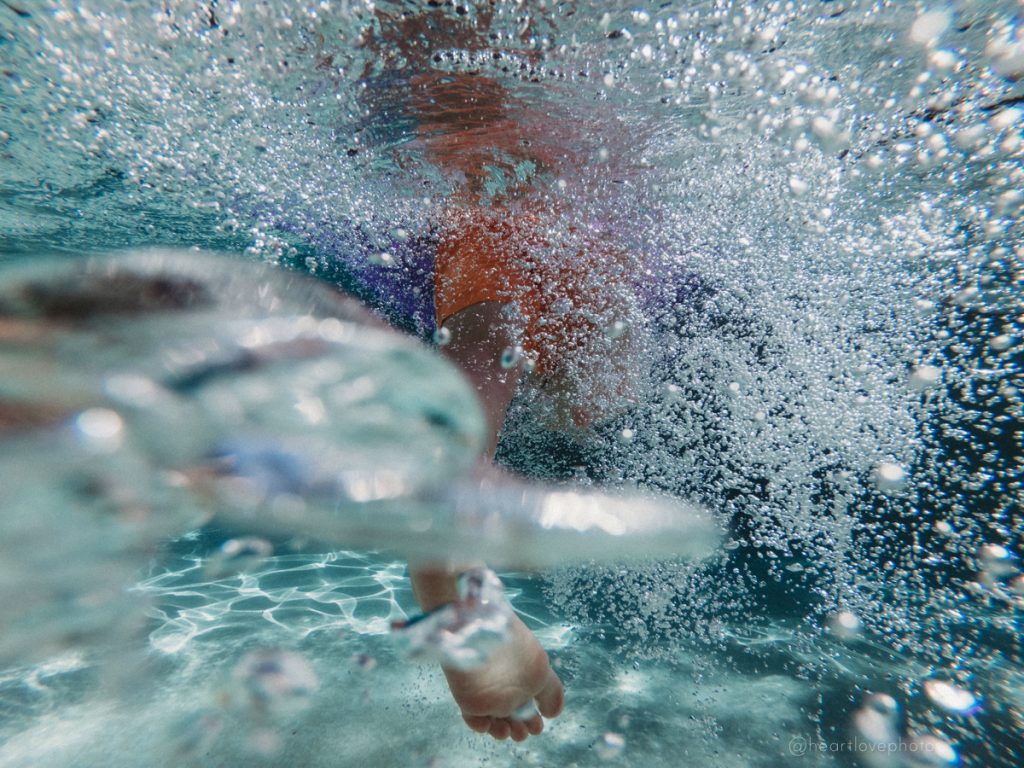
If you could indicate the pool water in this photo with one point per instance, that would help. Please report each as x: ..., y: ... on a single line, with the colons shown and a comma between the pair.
x: 820, y: 203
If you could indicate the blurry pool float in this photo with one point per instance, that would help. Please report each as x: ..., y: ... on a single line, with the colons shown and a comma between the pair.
x: 286, y: 490
x: 156, y: 390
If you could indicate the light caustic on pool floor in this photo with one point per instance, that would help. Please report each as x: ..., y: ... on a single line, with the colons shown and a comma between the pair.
x: 826, y: 197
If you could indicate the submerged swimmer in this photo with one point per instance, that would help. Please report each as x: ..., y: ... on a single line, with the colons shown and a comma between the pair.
x: 515, y: 295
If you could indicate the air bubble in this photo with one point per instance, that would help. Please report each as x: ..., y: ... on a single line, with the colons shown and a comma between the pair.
x: 928, y: 27
x: 943, y: 60
x: 889, y: 476
x: 101, y: 428
x: 442, y: 336
x: 996, y: 561
x: 950, y: 697
x: 845, y: 625
x: 928, y: 751
x: 561, y: 306
x: 1001, y: 342
x: 1006, y: 51
x: 875, y: 721
x: 510, y: 356
x: 798, y: 186
x: 237, y: 556
x: 610, y: 746
x: 972, y: 137
x: 1007, y: 118
x: 924, y: 376
x: 823, y: 128
x: 616, y: 330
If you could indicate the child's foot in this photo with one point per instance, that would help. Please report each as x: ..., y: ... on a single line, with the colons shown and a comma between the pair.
x: 517, y: 678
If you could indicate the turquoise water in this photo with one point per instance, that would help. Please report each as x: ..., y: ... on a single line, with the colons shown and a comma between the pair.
x: 821, y: 201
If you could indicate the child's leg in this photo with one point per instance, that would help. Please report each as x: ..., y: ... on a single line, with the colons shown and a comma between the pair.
x: 519, y: 674
x: 478, y: 341
x: 507, y: 696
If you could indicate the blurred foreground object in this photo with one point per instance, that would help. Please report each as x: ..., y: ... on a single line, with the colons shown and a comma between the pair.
x: 143, y: 393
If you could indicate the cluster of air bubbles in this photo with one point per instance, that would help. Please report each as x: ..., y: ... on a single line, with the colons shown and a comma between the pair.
x: 877, y: 738
x: 1000, y: 574
x: 1005, y: 48
x: 274, y: 682
x: 851, y: 217
x: 498, y: 62
x: 463, y: 634
x: 236, y: 100
x: 268, y: 688
x: 237, y: 556
x: 264, y: 694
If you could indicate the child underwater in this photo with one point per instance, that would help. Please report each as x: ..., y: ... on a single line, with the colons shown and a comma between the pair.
x: 520, y: 289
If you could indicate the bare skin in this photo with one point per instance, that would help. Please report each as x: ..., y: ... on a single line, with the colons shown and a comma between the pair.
x: 520, y: 672
x: 468, y: 125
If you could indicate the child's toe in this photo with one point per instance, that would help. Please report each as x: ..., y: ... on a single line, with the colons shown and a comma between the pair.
x: 479, y: 723
x: 551, y: 696
x: 500, y: 729
x: 534, y: 725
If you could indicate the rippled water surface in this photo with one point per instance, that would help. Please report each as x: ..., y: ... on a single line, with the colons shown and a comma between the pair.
x: 807, y: 218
